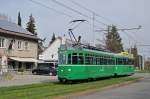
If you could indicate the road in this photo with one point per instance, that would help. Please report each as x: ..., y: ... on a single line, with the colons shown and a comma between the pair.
x: 27, y: 79
x: 138, y: 90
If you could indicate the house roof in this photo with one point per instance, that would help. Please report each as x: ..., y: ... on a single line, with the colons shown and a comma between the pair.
x: 12, y: 28
x: 4, y: 24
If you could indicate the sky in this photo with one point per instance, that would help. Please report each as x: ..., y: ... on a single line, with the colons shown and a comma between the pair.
x: 122, y: 13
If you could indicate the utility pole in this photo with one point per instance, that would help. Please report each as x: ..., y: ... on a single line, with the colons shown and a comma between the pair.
x: 143, y: 59
x: 93, y: 28
x: 143, y: 64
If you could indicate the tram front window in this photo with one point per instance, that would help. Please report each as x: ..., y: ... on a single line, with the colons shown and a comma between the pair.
x: 62, y: 58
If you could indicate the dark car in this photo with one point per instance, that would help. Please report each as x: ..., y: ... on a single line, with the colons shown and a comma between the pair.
x: 45, y: 69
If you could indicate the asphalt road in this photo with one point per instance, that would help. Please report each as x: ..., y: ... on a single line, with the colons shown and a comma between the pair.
x: 138, y: 90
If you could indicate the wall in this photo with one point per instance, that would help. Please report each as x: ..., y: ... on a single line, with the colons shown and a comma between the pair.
x: 51, y: 53
x: 15, y: 52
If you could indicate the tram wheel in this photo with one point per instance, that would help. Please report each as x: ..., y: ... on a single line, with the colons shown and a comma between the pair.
x: 62, y: 80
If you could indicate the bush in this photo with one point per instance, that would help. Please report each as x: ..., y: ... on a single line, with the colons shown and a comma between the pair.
x: 22, y: 69
x: 8, y: 76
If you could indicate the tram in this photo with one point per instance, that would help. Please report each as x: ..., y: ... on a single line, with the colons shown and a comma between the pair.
x: 76, y: 64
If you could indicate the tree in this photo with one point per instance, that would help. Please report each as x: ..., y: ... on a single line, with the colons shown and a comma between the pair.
x: 113, y: 40
x: 134, y: 51
x: 19, y: 19
x: 53, y: 39
x: 31, y: 25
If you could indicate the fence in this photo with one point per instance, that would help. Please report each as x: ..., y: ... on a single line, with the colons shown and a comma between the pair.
x: 3, y: 71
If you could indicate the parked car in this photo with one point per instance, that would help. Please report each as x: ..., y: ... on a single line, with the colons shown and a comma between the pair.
x: 46, y: 69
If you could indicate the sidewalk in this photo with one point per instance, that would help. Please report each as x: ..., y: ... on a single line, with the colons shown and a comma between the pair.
x: 27, y: 79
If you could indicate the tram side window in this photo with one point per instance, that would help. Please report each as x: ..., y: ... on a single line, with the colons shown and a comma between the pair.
x: 94, y: 60
x: 114, y: 62
x: 119, y: 61
x: 101, y: 59
x: 74, y: 58
x: 105, y: 61
x: 89, y: 59
x: 81, y: 59
x: 111, y: 61
x: 97, y: 61
x: 69, y: 58
x: 123, y: 61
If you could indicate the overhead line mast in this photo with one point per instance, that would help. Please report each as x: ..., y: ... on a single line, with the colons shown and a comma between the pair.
x: 123, y: 29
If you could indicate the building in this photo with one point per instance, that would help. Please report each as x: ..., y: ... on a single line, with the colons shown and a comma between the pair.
x: 138, y: 59
x: 50, y: 54
x: 18, y: 47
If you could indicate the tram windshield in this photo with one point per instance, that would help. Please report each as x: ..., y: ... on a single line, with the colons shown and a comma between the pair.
x: 62, y: 58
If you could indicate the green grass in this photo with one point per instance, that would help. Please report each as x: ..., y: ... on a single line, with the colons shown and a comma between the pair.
x: 50, y: 90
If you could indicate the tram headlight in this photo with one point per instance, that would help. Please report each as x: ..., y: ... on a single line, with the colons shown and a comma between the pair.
x: 69, y: 69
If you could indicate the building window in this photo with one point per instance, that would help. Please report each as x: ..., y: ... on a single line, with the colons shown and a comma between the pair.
x: 11, y: 44
x: 26, y: 45
x: 19, y: 45
x: 2, y: 42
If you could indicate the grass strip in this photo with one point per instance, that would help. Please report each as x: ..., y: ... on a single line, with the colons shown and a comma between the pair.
x: 51, y: 90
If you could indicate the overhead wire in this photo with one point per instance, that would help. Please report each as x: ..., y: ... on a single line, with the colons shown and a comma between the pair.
x: 89, y: 10
x: 76, y: 11
x: 57, y: 11
x: 43, y: 5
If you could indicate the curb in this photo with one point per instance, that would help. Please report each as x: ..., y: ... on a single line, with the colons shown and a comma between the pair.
x: 82, y: 93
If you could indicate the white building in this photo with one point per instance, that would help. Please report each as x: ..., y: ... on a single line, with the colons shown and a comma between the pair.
x: 51, y: 53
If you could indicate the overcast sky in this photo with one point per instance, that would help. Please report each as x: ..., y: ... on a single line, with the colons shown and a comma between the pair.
x: 123, y: 13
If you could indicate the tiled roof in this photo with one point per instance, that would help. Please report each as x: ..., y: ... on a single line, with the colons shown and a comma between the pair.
x: 9, y: 26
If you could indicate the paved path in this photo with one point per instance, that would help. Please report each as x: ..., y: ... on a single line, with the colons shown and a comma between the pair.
x: 138, y: 90
x: 27, y: 79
